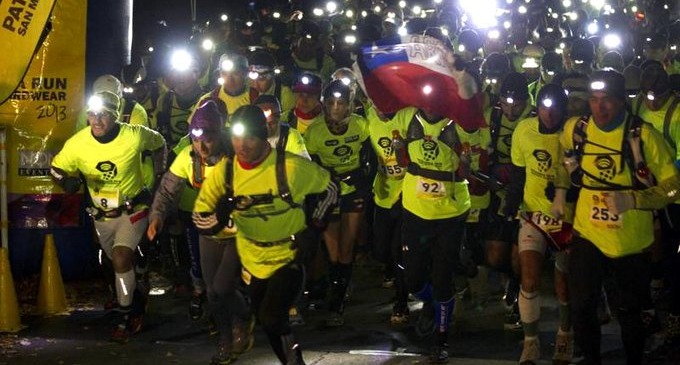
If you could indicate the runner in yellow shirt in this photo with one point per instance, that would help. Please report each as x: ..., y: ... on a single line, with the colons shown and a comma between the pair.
x: 535, y: 159
x: 338, y: 145
x: 613, y: 219
x: 263, y: 190
x: 107, y: 154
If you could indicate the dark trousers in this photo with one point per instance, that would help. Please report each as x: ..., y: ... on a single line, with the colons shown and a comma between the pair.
x: 222, y: 274
x: 431, y: 252
x: 670, y: 224
x: 387, y: 241
x: 271, y: 299
x: 631, y: 274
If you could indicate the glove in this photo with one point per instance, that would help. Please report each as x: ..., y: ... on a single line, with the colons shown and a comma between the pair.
x: 559, y: 200
x: 619, y: 202
x: 477, y: 187
x: 225, y: 206
x: 550, y: 191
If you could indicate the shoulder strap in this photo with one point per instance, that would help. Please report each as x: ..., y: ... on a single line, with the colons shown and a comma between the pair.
x: 198, y: 170
x: 277, y: 89
x: 319, y: 59
x: 449, y: 135
x: 495, y: 124
x: 667, y: 121
x: 127, y: 109
x: 221, y: 105
x: 415, y: 129
x: 282, y: 177
x: 284, y: 130
x: 164, y: 116
x: 292, y: 119
x: 638, y: 106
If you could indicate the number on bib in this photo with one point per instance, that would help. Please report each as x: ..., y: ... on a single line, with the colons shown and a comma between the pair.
x: 546, y: 222
x: 106, y: 199
x: 601, y: 217
x: 430, y: 189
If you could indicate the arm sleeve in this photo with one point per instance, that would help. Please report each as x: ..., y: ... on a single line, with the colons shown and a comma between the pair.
x: 213, y: 190
x: 167, y: 195
x: 562, y: 179
x: 660, y: 160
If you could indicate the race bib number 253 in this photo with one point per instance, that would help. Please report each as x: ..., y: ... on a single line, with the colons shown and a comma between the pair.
x: 601, y: 217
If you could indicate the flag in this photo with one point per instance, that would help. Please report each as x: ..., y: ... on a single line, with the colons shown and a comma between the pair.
x: 417, y: 70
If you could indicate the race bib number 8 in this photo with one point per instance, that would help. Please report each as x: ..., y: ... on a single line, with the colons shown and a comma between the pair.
x: 430, y: 189
x: 106, y: 199
x: 601, y: 217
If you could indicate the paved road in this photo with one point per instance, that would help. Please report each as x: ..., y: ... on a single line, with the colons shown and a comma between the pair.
x: 170, y: 337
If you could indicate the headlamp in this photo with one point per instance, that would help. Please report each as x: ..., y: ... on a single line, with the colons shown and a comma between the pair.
x: 276, y: 15
x: 249, y: 24
x: 597, y: 85
x: 337, y: 94
x: 494, y: 34
x: 253, y: 75
x: 402, y: 31
x: 364, y: 13
x: 349, y: 13
x: 317, y: 12
x: 95, y: 104
x: 350, y: 39
x: 331, y: 7
x: 197, y: 132
x: 507, y: 24
x: 377, y: 9
x: 417, y: 9
x: 550, y: 73
x: 224, y: 17
x: 150, y: 49
x: 530, y: 62
x: 592, y: 28
x: 566, y: 3
x: 547, y: 102
x: 181, y: 60
x: 346, y: 80
x: 402, y: 4
x: 227, y: 65
x: 238, y: 129
x: 207, y: 44
x: 509, y: 100
x: 461, y: 48
x: 650, y: 96
x: 305, y: 80
x: 612, y: 41
x: 632, y: 95
x: 522, y: 9
x: 391, y: 15
x: 578, y: 62
x: 267, y: 113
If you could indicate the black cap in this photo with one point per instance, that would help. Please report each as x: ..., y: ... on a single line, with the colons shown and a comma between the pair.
x: 552, y: 96
x: 654, y: 79
x: 307, y: 82
x: 495, y: 65
x: 656, y: 41
x: 582, y: 50
x: 470, y: 39
x: 261, y: 60
x: 249, y: 120
x: 613, y: 59
x: 337, y: 90
x: 610, y: 82
x: 551, y: 61
x: 515, y: 85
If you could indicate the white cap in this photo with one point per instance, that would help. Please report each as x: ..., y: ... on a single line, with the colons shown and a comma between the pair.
x: 108, y: 83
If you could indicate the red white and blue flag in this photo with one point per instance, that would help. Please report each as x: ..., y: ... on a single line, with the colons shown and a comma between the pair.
x: 417, y: 70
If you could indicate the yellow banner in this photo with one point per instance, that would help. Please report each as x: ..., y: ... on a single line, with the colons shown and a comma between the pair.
x: 21, y: 26
x: 40, y: 113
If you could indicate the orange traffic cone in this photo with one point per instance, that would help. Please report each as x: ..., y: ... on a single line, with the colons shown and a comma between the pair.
x: 51, y: 294
x: 9, y: 307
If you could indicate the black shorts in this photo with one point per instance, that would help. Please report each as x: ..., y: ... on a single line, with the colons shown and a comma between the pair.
x: 353, y: 202
x: 498, y: 228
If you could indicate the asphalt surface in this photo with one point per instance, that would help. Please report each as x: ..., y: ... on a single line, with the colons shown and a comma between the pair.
x: 170, y: 337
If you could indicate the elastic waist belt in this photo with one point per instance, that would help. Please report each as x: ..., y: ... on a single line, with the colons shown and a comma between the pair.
x: 144, y: 197
x: 415, y: 169
x: 282, y: 241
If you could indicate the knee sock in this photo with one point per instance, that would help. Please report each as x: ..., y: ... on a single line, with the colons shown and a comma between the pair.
x: 530, y: 312
x: 125, y: 287
x: 565, y: 317
x: 442, y: 314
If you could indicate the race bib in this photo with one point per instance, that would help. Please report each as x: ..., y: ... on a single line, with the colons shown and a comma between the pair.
x: 393, y: 170
x: 545, y: 222
x: 107, y: 198
x: 473, y: 216
x: 601, y: 217
x: 430, y: 189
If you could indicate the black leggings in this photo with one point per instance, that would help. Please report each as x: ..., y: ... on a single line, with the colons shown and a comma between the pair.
x: 271, y: 299
x: 387, y: 241
x: 221, y: 272
x: 431, y: 252
x: 587, y: 268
